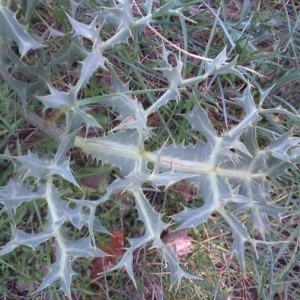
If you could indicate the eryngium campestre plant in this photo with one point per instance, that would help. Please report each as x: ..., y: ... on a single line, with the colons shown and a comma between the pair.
x: 230, y: 172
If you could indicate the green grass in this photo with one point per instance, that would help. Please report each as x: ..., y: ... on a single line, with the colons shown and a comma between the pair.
x: 269, y: 45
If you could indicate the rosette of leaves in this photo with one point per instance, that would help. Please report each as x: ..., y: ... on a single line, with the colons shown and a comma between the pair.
x: 230, y: 172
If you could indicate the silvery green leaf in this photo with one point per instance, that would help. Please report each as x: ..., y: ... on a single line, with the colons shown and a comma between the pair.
x: 29, y: 7
x: 176, y: 272
x: 278, y: 148
x: 74, y: 6
x: 173, y: 74
x: 240, y: 236
x: 90, y: 64
x: 127, y: 262
x: 192, y: 217
x: 22, y: 89
x: 79, y: 116
x: 229, y: 68
x: 119, y: 185
x: 58, y: 99
x: 66, y: 144
x: 148, y: 6
x: 80, y: 248
x: 57, y: 207
x: 121, y: 37
x: 119, y: 86
x: 33, y: 239
x: 76, y: 217
x: 60, y: 270
x: 295, y: 155
x: 259, y: 220
x: 88, y: 31
x: 264, y: 94
x: 163, y: 9
x: 64, y: 171
x: 79, y: 218
x: 217, y: 63
x: 11, y: 29
x: 40, y: 71
x: 67, y: 55
x: 65, y: 251
x: 8, y: 247
x: 14, y: 194
x: 257, y: 205
x: 170, y: 94
x: 168, y: 178
x: 152, y: 221
x: 215, y: 191
x: 130, y: 111
x: 120, y: 149
x: 200, y: 122
x: 250, y: 139
x: 120, y: 15
x: 34, y: 165
x: 52, y: 33
x: 247, y: 103
x: 40, y: 168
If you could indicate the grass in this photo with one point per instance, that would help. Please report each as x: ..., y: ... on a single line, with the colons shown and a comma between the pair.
x: 269, y: 44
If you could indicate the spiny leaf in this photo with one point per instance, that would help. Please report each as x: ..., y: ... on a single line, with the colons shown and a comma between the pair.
x: 57, y: 208
x: 40, y: 168
x: 120, y: 149
x: 217, y: 63
x: 14, y: 194
x: 11, y: 29
x: 90, y: 64
x: 126, y: 262
x: 130, y: 111
x: 199, y: 121
x: 176, y: 272
x: 67, y: 55
x: 152, y: 221
x: 173, y: 74
x: 163, y: 9
x: 58, y: 99
x: 9, y: 247
x: 119, y: 15
x: 29, y: 7
x: 78, y: 115
x: 246, y: 101
x: 240, y: 236
x: 78, y: 217
x: 31, y: 240
x: 60, y: 270
x: 167, y: 178
x: 256, y: 195
x: 279, y: 147
x: 65, y: 251
x: 215, y: 191
x: 170, y: 94
x: 88, y: 31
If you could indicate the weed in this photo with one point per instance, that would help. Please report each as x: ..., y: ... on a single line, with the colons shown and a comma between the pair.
x: 149, y: 117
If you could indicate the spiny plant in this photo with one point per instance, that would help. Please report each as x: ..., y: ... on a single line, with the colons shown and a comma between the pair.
x: 231, y: 172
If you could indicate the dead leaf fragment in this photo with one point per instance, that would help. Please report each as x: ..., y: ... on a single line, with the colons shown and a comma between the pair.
x: 179, y: 242
x: 114, y: 247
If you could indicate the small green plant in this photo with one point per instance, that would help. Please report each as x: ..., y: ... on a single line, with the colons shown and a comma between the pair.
x: 231, y: 170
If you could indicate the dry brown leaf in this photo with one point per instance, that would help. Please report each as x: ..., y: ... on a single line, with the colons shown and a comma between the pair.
x: 114, y: 247
x: 186, y: 191
x: 179, y: 242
